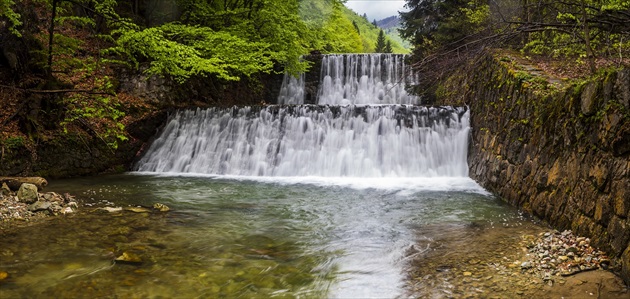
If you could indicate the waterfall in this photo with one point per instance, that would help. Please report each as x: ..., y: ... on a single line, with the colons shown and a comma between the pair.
x: 292, y: 90
x: 381, y: 141
x: 346, y: 135
x: 356, y: 79
x: 365, y: 79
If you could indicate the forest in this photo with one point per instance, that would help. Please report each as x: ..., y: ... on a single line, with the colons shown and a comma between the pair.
x: 571, y: 38
x: 68, y: 53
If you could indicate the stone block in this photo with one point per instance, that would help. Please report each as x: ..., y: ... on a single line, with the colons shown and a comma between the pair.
x: 619, y: 232
x: 625, y: 265
x: 598, y: 174
x: 622, y: 87
x: 622, y: 199
x: 603, y: 209
x: 589, y: 99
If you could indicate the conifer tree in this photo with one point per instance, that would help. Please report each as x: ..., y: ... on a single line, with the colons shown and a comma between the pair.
x: 380, y: 42
x: 388, y: 47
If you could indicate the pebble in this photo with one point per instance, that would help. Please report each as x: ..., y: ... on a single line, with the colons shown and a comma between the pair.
x: 556, y: 253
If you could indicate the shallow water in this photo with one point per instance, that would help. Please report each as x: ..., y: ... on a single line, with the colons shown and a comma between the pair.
x: 241, y: 237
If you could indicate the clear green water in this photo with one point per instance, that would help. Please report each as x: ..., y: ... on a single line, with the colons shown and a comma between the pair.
x: 237, y: 238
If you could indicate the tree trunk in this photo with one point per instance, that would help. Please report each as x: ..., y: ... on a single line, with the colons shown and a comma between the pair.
x: 587, y: 41
x: 51, y: 34
x: 14, y: 183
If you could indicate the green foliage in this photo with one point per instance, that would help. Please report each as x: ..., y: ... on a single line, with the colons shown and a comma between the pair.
x: 7, y: 12
x: 339, y: 35
x: 182, y: 51
x: 435, y: 25
x: 356, y: 27
x: 580, y: 30
x: 12, y: 143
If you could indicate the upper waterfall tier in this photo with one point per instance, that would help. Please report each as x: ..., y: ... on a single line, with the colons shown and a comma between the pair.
x: 356, y: 79
x: 353, y: 141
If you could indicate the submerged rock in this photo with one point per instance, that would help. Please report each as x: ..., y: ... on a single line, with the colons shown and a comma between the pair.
x: 129, y: 258
x: 137, y: 209
x: 161, y: 207
x: 110, y: 209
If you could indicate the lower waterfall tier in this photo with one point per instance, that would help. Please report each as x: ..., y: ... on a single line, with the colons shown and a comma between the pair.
x: 307, y: 140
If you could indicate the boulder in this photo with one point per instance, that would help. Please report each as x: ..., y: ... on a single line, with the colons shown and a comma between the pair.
x: 27, y: 193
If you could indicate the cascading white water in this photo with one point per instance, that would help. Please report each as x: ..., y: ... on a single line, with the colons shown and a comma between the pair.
x: 365, y: 79
x: 292, y: 90
x: 356, y: 79
x: 381, y: 141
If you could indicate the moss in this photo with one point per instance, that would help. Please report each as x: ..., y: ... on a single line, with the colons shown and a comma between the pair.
x: 13, y: 143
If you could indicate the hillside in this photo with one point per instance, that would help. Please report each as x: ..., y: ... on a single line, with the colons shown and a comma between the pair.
x: 391, y: 26
x: 369, y: 33
x: 389, y: 22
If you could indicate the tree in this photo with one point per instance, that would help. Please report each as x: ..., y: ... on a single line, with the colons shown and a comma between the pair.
x: 388, y: 47
x: 448, y: 32
x: 6, y: 11
x: 581, y: 29
x: 380, y: 43
x: 356, y: 27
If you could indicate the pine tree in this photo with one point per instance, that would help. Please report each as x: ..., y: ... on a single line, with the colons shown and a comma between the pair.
x: 380, y: 42
x: 388, y: 47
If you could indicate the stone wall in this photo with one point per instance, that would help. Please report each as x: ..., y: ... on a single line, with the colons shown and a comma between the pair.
x: 74, y: 154
x: 558, y: 150
x: 203, y: 91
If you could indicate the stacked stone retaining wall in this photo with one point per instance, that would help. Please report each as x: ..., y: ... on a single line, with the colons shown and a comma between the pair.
x: 559, y: 150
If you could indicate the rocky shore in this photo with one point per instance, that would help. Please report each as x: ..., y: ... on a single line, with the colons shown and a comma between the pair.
x: 28, y: 204
x: 521, y: 261
x: 558, y: 254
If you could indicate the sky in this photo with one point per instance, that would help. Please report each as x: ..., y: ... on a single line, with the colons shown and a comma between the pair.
x: 376, y: 9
